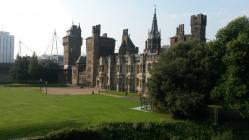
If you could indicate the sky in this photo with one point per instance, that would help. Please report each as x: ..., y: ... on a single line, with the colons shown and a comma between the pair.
x: 33, y: 22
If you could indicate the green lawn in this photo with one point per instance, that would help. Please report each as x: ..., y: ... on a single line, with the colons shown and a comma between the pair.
x: 24, y: 111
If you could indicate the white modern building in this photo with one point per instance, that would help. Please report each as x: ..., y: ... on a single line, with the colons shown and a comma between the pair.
x: 6, y: 47
x: 56, y: 58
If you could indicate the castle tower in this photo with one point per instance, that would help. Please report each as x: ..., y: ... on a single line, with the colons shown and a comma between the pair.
x: 96, y: 46
x: 72, y: 49
x: 198, y: 27
x: 180, y: 30
x: 153, y: 43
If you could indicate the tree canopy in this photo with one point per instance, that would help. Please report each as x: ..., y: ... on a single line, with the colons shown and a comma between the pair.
x: 28, y: 69
x: 233, y: 88
x: 182, y: 79
x: 189, y: 73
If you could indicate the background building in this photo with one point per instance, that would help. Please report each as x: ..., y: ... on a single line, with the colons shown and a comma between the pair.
x: 55, y: 58
x: 6, y: 47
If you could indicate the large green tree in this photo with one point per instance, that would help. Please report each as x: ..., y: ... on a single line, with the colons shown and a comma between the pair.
x: 34, y: 69
x: 49, y: 70
x: 233, y: 88
x: 182, y: 79
x: 19, y: 70
x: 28, y: 69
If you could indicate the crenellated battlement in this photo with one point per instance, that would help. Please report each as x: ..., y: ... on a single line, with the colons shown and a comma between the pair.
x: 199, y: 19
x: 96, y: 30
x: 180, y: 30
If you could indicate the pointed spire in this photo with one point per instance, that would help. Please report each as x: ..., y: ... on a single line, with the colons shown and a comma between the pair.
x: 154, y: 29
x: 154, y: 23
x: 155, y: 8
x: 79, y: 27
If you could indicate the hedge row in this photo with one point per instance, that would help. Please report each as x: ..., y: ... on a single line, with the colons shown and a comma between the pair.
x: 148, y: 131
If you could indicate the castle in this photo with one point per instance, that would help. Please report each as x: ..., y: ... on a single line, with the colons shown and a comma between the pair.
x: 123, y: 71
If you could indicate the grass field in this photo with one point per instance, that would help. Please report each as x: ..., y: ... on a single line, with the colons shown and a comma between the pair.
x: 25, y: 112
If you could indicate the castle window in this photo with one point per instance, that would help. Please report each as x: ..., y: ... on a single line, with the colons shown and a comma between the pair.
x: 137, y: 68
x: 175, y: 39
x: 119, y: 68
x: 102, y: 68
x: 89, y: 69
x: 127, y: 81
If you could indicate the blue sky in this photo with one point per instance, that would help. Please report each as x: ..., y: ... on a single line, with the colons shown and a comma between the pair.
x: 33, y: 21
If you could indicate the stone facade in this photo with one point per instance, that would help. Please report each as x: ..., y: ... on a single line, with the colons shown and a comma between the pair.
x: 198, y: 30
x: 128, y: 70
x: 78, y: 71
x: 96, y: 46
x: 198, y: 27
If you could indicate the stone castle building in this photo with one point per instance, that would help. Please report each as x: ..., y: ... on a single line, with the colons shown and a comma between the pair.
x: 72, y: 50
x: 96, y: 47
x: 127, y: 70
x: 198, y: 30
x: 123, y: 71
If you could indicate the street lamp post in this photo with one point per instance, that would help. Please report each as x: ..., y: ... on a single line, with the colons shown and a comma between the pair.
x: 46, y: 85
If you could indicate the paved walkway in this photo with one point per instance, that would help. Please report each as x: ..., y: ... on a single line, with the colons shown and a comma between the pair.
x: 81, y: 91
x: 70, y: 90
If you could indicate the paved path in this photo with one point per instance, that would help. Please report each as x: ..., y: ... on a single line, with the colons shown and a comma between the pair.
x: 82, y: 91
x: 70, y: 90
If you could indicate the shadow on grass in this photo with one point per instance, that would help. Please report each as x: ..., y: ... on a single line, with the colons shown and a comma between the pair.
x: 36, y: 129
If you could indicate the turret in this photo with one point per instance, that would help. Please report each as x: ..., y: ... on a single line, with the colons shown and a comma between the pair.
x: 180, y: 30
x: 96, y: 30
x: 72, y: 45
x: 198, y: 27
x: 72, y: 50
